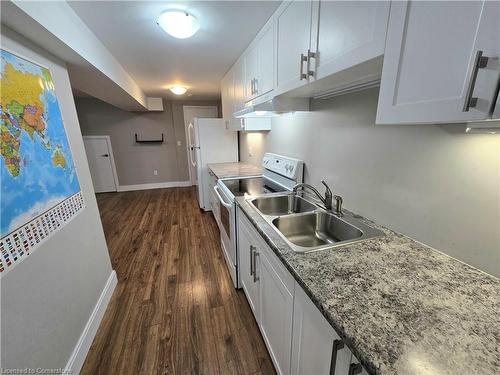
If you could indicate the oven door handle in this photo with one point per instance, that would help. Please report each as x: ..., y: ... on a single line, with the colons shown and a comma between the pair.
x: 216, y: 189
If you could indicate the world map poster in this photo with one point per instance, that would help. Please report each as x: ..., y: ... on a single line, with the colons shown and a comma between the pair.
x: 39, y: 188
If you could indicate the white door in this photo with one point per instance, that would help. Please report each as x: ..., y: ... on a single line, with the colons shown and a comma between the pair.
x: 293, y: 25
x: 190, y: 112
x: 251, y: 72
x: 312, y: 330
x: 276, y: 312
x: 348, y: 33
x: 265, y: 82
x: 101, y: 163
x: 431, y: 59
x: 247, y: 264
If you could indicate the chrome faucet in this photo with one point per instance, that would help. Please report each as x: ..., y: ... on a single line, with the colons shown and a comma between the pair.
x: 327, y: 199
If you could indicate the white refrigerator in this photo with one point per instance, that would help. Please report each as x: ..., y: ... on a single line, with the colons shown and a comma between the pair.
x: 209, y: 142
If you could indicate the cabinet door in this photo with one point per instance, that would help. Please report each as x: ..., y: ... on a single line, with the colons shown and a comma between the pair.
x: 227, y: 94
x: 246, y: 248
x: 251, y: 72
x: 276, y: 309
x: 293, y: 31
x: 349, y: 33
x: 239, y: 84
x: 312, y: 330
x: 429, y: 58
x: 265, y: 77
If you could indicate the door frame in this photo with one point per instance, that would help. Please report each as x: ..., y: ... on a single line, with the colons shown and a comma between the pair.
x: 111, y: 156
x: 192, y: 178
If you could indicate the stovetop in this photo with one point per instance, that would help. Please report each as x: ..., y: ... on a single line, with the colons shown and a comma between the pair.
x: 251, y: 186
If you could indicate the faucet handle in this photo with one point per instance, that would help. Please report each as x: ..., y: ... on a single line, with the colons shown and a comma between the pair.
x: 338, y: 204
x: 328, y: 192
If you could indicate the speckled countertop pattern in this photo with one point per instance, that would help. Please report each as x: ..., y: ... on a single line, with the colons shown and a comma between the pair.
x: 226, y: 170
x: 401, y: 307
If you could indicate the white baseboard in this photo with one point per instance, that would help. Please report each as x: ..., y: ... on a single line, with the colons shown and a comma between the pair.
x: 77, y: 358
x: 155, y: 185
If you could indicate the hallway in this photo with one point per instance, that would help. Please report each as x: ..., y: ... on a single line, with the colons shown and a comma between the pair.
x: 174, y: 310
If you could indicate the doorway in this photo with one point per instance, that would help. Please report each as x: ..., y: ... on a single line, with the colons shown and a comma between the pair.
x: 101, y: 163
x: 191, y: 112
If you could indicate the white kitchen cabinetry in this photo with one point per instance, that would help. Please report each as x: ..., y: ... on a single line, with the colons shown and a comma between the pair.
x: 276, y: 311
x: 269, y: 289
x: 348, y: 33
x: 293, y: 33
x: 432, y: 55
x: 247, y: 248
x: 227, y: 98
x: 239, y: 85
x: 259, y: 64
x: 323, y: 46
x: 313, y: 341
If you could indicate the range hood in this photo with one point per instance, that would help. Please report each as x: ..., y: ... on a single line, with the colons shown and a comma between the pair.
x: 269, y: 106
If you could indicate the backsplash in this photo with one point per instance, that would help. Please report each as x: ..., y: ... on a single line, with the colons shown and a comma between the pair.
x: 432, y: 182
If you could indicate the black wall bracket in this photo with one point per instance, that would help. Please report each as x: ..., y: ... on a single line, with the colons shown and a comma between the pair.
x: 150, y: 140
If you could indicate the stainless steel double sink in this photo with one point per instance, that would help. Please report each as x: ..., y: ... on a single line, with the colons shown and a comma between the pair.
x: 307, y: 227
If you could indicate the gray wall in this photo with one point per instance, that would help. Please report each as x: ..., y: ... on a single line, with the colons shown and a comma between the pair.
x: 48, y: 298
x: 433, y: 183
x: 135, y: 162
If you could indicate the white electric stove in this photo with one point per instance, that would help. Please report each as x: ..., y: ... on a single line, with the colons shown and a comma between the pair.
x: 280, y: 174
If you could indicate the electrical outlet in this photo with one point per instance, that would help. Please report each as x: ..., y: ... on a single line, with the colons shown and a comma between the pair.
x: 155, y: 172
x: 179, y: 143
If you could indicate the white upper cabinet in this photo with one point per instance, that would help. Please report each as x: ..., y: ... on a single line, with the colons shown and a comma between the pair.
x: 227, y: 96
x: 265, y: 81
x: 348, y: 33
x: 434, y: 67
x: 293, y: 40
x: 259, y: 64
x: 239, y: 84
x: 251, y: 72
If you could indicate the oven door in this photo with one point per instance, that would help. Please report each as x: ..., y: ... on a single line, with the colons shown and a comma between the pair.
x: 227, y: 227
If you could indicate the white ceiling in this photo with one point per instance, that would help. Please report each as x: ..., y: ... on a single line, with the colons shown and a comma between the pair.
x: 156, y: 60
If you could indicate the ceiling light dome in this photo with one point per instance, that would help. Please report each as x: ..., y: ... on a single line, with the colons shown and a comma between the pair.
x: 178, y: 23
x: 178, y: 90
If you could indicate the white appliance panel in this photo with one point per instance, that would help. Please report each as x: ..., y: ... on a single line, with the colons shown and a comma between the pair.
x: 214, y: 144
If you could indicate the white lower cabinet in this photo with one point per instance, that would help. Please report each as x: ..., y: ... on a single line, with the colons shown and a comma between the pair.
x: 247, y: 257
x: 313, y: 341
x: 276, y: 311
x: 298, y: 337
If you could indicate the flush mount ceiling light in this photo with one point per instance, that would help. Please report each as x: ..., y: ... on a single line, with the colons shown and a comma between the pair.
x: 178, y: 23
x: 178, y: 90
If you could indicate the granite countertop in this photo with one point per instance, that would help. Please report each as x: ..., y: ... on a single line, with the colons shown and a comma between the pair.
x: 401, y: 307
x: 226, y: 170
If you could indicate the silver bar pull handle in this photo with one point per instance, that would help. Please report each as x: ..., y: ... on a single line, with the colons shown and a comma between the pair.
x: 337, y: 345
x: 310, y: 55
x: 256, y: 84
x: 252, y: 266
x: 480, y: 62
x: 303, y: 58
x: 255, y: 254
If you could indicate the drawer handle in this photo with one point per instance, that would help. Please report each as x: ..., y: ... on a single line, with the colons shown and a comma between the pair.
x: 337, y: 345
x: 480, y: 62
x: 252, y: 270
x: 255, y: 254
x: 303, y: 58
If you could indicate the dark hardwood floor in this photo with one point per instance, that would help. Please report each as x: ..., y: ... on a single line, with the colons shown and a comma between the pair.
x: 174, y: 310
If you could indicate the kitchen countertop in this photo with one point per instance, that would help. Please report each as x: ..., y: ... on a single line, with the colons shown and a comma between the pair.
x: 400, y: 306
x: 226, y: 170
